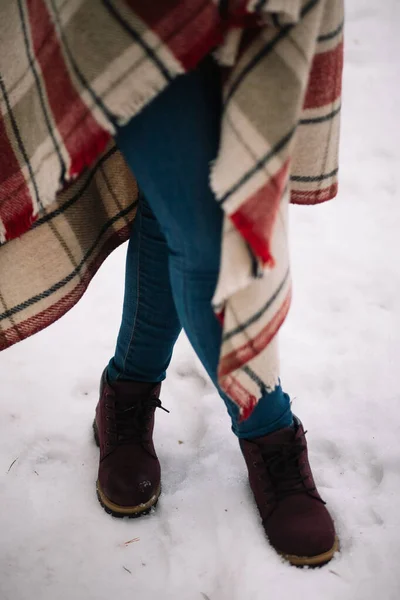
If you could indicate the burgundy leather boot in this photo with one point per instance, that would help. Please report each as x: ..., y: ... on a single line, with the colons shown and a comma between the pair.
x: 294, y: 516
x: 128, y: 482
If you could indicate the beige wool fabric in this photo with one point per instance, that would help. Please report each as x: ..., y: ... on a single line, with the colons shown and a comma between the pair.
x: 280, y: 130
x: 46, y: 271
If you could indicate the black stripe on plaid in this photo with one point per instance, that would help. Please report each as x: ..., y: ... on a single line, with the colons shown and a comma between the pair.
x: 224, y: 9
x: 243, y: 326
x: 266, y: 50
x: 260, y: 5
x: 75, y: 197
x: 260, y: 163
x: 146, y: 48
x: 32, y: 64
x: 311, y: 178
x: 75, y: 272
x: 322, y: 119
x: 254, y: 377
x: 276, y: 22
x: 332, y: 34
x: 20, y: 143
x: 97, y: 100
x: 296, y: 45
x: 12, y: 321
x: 63, y: 245
x: 111, y: 190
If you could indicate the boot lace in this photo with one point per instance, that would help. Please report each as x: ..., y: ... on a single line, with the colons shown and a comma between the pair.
x: 130, y: 423
x: 284, y: 471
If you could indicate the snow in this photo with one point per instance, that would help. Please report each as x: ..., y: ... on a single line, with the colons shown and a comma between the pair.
x: 340, y: 349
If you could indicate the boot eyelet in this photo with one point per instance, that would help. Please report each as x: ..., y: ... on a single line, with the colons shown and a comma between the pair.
x: 254, y: 463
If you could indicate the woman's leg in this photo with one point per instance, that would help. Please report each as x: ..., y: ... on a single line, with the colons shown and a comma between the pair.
x: 150, y: 324
x: 169, y: 147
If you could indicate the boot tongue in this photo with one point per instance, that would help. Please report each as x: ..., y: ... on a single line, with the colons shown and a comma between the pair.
x: 277, y: 438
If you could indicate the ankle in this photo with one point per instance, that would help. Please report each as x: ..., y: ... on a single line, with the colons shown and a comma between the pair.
x: 283, y: 421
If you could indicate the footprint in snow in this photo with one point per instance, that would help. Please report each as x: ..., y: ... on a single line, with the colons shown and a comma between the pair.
x: 44, y: 452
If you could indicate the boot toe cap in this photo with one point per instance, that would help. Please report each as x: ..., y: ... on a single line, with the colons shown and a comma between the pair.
x: 128, y: 487
x: 303, y: 533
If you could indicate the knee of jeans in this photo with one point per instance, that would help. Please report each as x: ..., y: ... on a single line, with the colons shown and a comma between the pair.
x: 199, y: 252
x: 196, y: 267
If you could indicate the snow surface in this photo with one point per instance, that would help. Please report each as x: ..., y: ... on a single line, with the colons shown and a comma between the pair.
x: 340, y: 353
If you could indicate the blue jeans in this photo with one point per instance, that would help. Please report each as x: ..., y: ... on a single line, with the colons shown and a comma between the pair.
x: 174, y: 251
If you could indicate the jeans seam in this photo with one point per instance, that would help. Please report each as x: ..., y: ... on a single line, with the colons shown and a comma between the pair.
x: 187, y: 303
x: 137, y: 292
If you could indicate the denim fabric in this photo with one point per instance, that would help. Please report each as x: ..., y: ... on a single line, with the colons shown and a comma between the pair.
x: 174, y: 252
x: 150, y: 324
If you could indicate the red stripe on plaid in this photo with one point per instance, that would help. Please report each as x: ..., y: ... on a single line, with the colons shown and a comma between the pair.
x: 314, y: 196
x: 82, y: 136
x: 190, y: 28
x: 16, y: 208
x: 221, y: 316
x: 256, y: 217
x: 240, y: 356
x: 246, y: 401
x: 325, y: 81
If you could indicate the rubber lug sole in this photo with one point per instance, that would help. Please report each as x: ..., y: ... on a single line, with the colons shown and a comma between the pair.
x: 312, y: 561
x: 132, y: 512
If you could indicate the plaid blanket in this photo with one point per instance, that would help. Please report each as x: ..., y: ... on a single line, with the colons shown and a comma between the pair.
x: 47, y: 270
x: 72, y: 70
